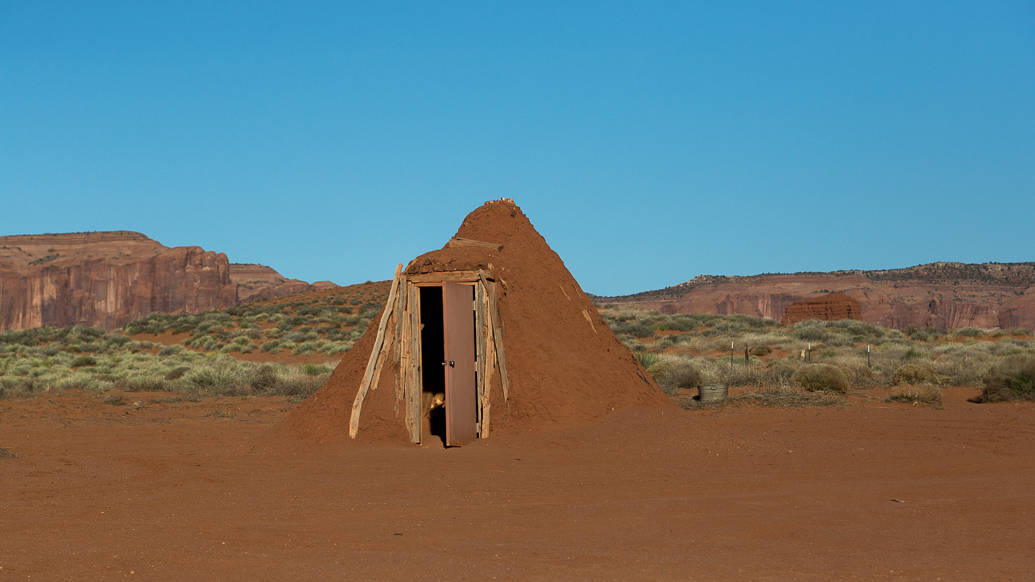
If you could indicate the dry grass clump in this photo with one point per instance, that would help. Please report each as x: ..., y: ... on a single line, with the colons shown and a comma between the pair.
x: 927, y: 394
x: 914, y: 373
x: 680, y: 375
x: 787, y: 397
x: 816, y: 377
x: 1013, y: 379
x: 762, y: 350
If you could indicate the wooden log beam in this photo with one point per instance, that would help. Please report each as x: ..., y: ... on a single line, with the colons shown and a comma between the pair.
x: 497, y: 334
x: 440, y: 277
x: 375, y: 355
x: 490, y: 364
x: 415, y: 366
x: 481, y: 329
x: 400, y: 305
x: 470, y: 242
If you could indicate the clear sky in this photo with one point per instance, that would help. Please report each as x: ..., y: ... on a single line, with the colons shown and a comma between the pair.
x: 649, y: 142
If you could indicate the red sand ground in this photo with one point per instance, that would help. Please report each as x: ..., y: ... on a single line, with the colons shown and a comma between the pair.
x: 190, y: 490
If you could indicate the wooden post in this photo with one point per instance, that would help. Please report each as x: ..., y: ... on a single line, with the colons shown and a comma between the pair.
x: 497, y: 332
x: 415, y: 366
x: 400, y: 305
x: 401, y: 308
x: 375, y: 355
x: 479, y: 340
x: 490, y: 363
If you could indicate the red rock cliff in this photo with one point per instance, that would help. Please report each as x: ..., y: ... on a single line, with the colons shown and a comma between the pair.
x: 942, y: 295
x: 105, y: 279
x: 827, y: 307
x: 255, y: 282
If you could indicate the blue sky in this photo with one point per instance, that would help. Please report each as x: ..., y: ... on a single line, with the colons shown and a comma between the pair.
x: 649, y: 142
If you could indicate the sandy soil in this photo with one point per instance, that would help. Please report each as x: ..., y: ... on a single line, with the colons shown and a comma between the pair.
x: 155, y: 488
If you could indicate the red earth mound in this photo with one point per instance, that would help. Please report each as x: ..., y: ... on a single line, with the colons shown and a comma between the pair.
x: 565, y: 365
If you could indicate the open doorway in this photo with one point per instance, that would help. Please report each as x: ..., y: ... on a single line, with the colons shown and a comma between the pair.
x: 449, y: 402
x: 433, y: 374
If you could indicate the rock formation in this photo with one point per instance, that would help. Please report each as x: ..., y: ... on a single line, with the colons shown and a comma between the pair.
x: 106, y: 279
x: 255, y: 282
x: 828, y: 307
x: 941, y: 295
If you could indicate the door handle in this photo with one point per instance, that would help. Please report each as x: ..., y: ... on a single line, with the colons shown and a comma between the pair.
x: 450, y: 363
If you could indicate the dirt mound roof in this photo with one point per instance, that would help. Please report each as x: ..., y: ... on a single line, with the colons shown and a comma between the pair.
x: 565, y: 365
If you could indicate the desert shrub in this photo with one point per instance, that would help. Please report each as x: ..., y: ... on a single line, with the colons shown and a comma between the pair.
x: 855, y: 369
x: 674, y: 323
x: 263, y: 379
x: 928, y: 394
x: 813, y: 331
x: 146, y: 383
x: 787, y: 397
x: 683, y: 375
x: 924, y: 334
x: 815, y: 377
x: 969, y: 332
x: 314, y: 369
x: 914, y: 354
x: 117, y: 340
x: 1013, y: 379
x: 171, y: 350
x: 914, y: 373
x: 760, y: 351
x: 89, y: 347
x: 81, y: 361
x: 241, y: 344
x: 211, y: 377
x: 306, y: 348
x: 336, y: 347
x: 634, y: 328
x: 646, y: 359
x: 176, y: 373
x: 337, y: 334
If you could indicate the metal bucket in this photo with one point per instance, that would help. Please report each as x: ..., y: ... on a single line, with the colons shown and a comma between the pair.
x: 713, y: 393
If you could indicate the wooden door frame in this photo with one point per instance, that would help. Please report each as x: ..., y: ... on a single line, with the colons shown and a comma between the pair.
x: 477, y: 281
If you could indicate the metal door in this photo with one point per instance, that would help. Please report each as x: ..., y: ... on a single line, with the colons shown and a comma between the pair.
x: 461, y: 393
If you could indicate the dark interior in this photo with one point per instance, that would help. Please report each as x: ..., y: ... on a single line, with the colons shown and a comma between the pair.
x: 432, y: 343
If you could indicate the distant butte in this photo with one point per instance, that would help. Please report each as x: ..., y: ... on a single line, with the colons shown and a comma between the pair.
x: 941, y: 295
x: 107, y: 279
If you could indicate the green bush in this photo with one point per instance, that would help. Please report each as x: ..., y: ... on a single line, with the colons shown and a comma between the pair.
x: 821, y: 377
